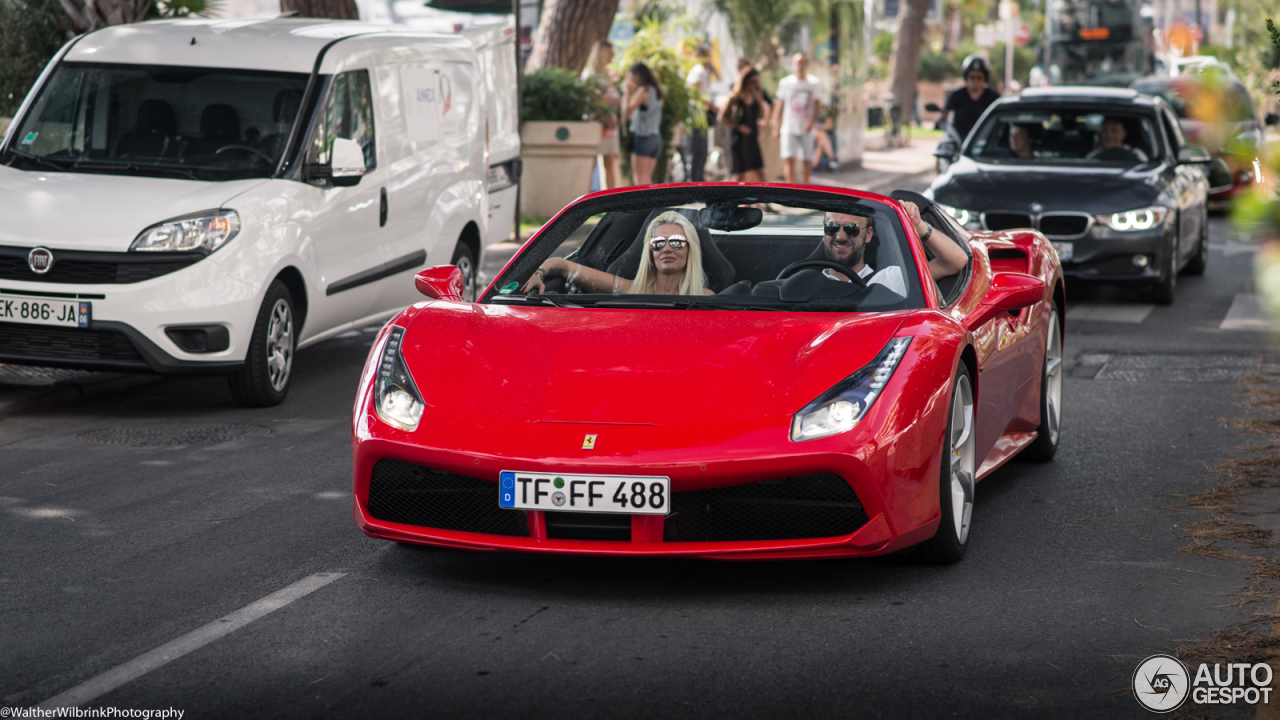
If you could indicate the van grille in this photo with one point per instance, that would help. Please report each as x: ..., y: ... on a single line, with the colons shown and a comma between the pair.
x: 75, y: 267
x: 54, y: 343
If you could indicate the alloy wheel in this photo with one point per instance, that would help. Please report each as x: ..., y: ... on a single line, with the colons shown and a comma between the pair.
x: 1053, y: 378
x: 963, y: 461
x: 279, y: 345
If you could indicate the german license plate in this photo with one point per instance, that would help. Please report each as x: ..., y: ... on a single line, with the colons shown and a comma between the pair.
x: 625, y: 494
x: 1065, y: 251
x: 45, y: 311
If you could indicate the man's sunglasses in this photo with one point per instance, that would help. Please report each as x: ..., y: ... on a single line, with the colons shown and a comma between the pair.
x: 850, y: 229
x: 677, y: 242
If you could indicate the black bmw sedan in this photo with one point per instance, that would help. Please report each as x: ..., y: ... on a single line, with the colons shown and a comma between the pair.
x: 1105, y: 174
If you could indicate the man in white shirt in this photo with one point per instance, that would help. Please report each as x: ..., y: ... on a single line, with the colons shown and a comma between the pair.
x: 699, y: 80
x: 845, y: 239
x: 794, y: 116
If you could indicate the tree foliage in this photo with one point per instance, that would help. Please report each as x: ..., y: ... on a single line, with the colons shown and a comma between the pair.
x: 754, y: 25
x: 31, y: 31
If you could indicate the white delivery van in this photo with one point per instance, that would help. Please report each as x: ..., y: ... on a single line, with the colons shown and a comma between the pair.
x: 208, y: 196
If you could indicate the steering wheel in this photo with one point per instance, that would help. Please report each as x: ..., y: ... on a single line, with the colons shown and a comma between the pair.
x: 795, y: 267
x: 267, y: 158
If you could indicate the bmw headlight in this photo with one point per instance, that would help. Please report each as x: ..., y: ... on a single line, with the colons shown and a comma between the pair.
x: 203, y: 233
x: 1141, y: 220
x: 395, y: 395
x: 967, y: 218
x: 840, y: 408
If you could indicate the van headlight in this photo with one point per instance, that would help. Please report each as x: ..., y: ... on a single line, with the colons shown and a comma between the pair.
x: 840, y: 408
x: 1140, y: 220
x: 201, y: 233
x: 395, y: 395
x: 968, y: 219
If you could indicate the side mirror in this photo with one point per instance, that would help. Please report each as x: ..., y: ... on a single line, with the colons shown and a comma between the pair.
x: 347, y: 162
x: 932, y: 107
x: 1194, y: 155
x: 1009, y: 292
x: 442, y: 282
x: 1272, y: 119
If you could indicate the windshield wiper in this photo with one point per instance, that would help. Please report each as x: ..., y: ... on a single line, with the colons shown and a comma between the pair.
x: 532, y: 300
x: 42, y: 160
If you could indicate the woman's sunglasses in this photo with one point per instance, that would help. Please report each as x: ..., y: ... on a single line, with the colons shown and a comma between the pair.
x: 677, y: 242
x: 850, y: 229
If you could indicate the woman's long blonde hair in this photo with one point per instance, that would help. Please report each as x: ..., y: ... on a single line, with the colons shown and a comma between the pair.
x: 694, y: 280
x: 596, y: 64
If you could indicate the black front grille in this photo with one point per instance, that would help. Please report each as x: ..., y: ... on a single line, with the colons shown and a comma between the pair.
x: 404, y: 493
x: 1064, y: 225
x: 1006, y: 221
x: 805, y: 506
x: 77, y: 267
x: 39, y: 342
x: 587, y: 526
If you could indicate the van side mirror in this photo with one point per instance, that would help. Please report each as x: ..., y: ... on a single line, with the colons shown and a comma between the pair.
x: 1009, y: 292
x: 345, y: 167
x: 1272, y: 119
x: 442, y: 282
x: 1193, y: 155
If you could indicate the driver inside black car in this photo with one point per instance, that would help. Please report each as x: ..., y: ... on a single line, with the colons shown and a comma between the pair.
x: 845, y: 239
x: 1112, y: 147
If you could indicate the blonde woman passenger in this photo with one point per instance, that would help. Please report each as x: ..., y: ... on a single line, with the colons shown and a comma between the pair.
x: 598, y: 69
x: 671, y: 265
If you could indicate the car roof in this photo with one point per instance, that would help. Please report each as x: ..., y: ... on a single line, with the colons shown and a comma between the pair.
x: 279, y: 44
x: 1078, y: 93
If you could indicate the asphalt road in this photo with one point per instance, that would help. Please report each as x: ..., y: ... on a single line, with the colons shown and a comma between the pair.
x: 111, y: 552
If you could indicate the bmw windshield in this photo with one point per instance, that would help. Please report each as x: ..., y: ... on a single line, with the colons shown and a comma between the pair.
x: 195, y: 123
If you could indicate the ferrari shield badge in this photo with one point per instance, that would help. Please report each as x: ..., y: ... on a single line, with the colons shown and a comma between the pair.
x: 589, y: 442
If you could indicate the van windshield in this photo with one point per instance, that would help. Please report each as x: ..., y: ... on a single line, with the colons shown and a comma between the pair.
x: 195, y: 123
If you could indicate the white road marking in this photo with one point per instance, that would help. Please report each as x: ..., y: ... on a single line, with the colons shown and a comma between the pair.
x: 194, y: 640
x: 1246, y: 313
x: 1132, y: 314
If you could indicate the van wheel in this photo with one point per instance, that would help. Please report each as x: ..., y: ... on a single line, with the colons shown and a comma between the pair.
x: 268, y: 366
x: 465, y: 260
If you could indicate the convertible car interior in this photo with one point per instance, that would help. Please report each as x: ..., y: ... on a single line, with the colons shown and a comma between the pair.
x: 764, y: 252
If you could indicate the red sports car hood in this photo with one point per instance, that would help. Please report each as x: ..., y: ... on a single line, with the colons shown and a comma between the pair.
x: 531, y: 374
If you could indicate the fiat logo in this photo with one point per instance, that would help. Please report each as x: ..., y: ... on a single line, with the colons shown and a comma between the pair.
x: 40, y: 260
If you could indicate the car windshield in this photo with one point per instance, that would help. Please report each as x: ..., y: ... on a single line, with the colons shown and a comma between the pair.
x: 196, y: 123
x: 717, y: 248
x: 1061, y: 135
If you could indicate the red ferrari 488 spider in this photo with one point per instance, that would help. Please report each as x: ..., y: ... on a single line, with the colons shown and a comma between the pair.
x: 716, y: 370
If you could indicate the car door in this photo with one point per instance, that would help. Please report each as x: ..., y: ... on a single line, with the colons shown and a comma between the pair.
x: 344, y: 223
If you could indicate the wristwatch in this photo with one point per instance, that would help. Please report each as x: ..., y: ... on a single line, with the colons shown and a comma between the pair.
x: 927, y: 234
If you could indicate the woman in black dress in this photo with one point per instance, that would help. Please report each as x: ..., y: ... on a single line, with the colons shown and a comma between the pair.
x: 743, y: 114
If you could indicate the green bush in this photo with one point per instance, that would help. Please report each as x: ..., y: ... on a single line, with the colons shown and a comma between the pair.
x: 29, y: 38
x: 936, y: 67
x: 882, y: 46
x: 557, y: 95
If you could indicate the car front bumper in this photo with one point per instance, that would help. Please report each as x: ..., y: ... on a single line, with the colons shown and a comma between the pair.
x: 1105, y: 255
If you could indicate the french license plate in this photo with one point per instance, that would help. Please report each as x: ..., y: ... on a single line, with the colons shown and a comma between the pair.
x: 45, y: 311
x: 626, y: 494
x: 1065, y: 251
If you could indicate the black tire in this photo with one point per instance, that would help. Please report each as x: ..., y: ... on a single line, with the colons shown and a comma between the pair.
x: 1163, y: 289
x: 268, y: 365
x: 465, y: 260
x: 1201, y: 259
x: 1045, y: 446
x: 952, y: 538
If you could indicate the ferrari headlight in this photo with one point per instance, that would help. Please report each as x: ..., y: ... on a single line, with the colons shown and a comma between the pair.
x: 967, y: 218
x: 396, y: 397
x: 840, y: 408
x: 196, y: 233
x: 1135, y: 220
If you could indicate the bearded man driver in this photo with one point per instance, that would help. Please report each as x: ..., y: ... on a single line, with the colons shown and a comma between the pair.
x: 845, y: 238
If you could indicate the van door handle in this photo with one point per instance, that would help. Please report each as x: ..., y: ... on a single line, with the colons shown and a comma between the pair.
x: 382, y: 208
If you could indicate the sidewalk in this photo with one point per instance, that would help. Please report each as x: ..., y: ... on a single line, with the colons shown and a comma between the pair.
x: 883, y: 171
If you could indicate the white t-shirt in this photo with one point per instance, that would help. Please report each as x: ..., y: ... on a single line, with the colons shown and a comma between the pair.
x: 699, y: 79
x: 797, y: 97
x: 890, y: 277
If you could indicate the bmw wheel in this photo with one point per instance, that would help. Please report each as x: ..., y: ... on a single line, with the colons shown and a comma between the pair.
x: 1201, y: 259
x: 1045, y: 446
x: 268, y: 365
x: 465, y: 260
x: 1162, y: 291
x: 959, y: 471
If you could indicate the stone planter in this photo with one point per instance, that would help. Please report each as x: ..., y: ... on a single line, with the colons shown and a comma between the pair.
x: 559, y: 158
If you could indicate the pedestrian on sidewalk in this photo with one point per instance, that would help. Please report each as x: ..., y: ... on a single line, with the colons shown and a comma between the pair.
x: 966, y: 105
x: 742, y: 114
x: 598, y: 69
x: 799, y: 103
x: 699, y: 80
x: 643, y: 102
